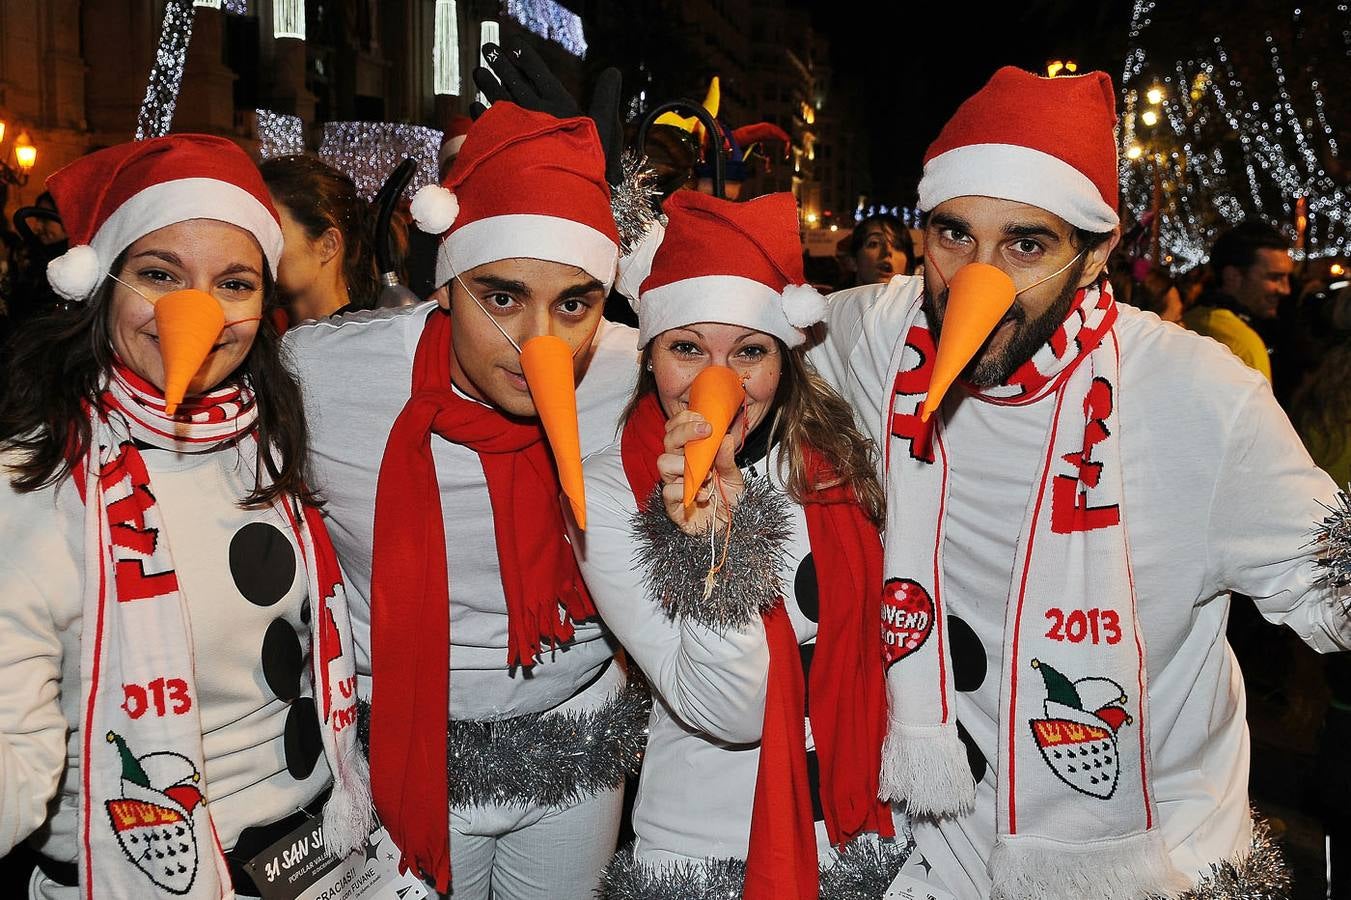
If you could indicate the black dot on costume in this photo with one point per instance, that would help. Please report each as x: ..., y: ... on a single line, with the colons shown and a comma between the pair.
x: 974, y: 759
x: 805, y: 589
x: 283, y: 660
x: 814, y: 786
x: 262, y: 562
x: 302, y: 741
x: 968, y: 656
x: 808, y: 653
x: 305, y: 610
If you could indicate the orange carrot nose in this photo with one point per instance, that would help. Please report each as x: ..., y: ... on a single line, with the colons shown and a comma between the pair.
x: 716, y: 394
x: 546, y: 362
x: 188, y: 323
x: 979, y: 295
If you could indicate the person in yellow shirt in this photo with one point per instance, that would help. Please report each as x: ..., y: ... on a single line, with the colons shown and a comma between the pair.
x: 1252, y: 268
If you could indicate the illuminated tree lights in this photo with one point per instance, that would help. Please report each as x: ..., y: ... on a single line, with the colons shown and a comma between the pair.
x: 1224, y: 150
x: 166, y: 74
x: 549, y: 20
x: 369, y: 151
x: 279, y: 134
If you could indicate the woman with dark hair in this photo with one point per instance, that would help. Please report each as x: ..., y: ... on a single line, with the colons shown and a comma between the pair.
x: 880, y: 247
x: 164, y: 566
x: 764, y: 590
x: 329, y: 264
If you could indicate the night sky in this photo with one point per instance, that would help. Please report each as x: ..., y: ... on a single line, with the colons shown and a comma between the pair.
x: 912, y: 64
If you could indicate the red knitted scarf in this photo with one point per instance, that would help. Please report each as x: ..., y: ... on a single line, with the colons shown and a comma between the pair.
x: 410, y: 591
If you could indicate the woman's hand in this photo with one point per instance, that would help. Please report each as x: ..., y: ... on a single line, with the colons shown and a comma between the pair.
x: 698, y: 516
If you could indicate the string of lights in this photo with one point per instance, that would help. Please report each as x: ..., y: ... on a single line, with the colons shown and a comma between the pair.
x: 279, y: 134
x: 369, y: 151
x: 1222, y: 149
x: 166, y: 75
x: 549, y: 20
x: 446, y: 50
x: 288, y: 19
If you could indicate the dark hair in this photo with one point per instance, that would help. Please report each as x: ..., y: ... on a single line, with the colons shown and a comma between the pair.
x: 319, y: 197
x: 1238, y: 246
x: 57, y: 366
x: 807, y: 412
x: 896, y: 234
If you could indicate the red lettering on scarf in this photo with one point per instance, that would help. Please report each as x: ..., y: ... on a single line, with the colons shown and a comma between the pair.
x: 128, y: 531
x: 1070, y: 510
x: 915, y: 382
x: 168, y: 696
x: 332, y: 645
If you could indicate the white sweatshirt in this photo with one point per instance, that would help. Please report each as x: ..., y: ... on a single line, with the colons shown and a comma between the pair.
x: 697, y: 784
x: 240, y: 571
x: 1220, y: 496
x: 356, y: 372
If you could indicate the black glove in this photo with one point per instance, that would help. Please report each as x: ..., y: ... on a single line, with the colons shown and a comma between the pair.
x: 521, y: 77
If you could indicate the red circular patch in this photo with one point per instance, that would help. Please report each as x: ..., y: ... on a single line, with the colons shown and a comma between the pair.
x: 907, y: 619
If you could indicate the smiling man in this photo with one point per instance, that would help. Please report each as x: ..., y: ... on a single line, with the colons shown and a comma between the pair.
x: 475, y: 636
x: 1064, y: 531
x: 1252, y: 267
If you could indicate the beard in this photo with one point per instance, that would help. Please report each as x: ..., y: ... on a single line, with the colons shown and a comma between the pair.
x: 987, y: 368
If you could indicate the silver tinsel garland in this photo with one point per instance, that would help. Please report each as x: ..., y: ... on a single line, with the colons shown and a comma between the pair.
x: 1332, y: 536
x: 864, y: 870
x: 675, y: 564
x: 1259, y: 874
x: 543, y: 759
x: 633, y: 202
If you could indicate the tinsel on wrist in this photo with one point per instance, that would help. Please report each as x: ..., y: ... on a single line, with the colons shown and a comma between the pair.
x: 1258, y: 874
x: 675, y: 565
x: 549, y: 759
x: 633, y: 201
x: 863, y: 871
x: 1332, y: 537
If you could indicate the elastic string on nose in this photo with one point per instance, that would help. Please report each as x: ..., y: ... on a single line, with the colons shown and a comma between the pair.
x: 934, y: 264
x: 491, y: 317
x: 141, y: 294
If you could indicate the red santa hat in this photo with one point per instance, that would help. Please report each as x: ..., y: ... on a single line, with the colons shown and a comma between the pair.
x: 111, y: 198
x: 736, y: 263
x: 453, y: 139
x: 525, y: 184
x: 1048, y: 142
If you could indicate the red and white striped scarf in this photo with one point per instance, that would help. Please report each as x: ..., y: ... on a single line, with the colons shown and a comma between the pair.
x: 1076, y: 816
x: 145, y: 827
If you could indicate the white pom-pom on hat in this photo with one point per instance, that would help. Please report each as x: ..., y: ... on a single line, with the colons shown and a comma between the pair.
x: 434, y: 208
x: 803, y: 305
x: 76, y: 273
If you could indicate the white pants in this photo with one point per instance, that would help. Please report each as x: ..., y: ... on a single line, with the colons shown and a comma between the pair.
x: 538, y: 852
x: 515, y: 853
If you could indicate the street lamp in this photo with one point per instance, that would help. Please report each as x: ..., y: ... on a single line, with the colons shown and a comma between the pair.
x: 1149, y: 117
x: 1134, y: 151
x: 25, y: 154
x: 1154, y: 95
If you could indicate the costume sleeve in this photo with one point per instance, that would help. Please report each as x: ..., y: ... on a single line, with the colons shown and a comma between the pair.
x: 863, y: 326
x: 843, y: 331
x: 710, y: 680
x: 1267, y: 499
x: 32, y: 726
